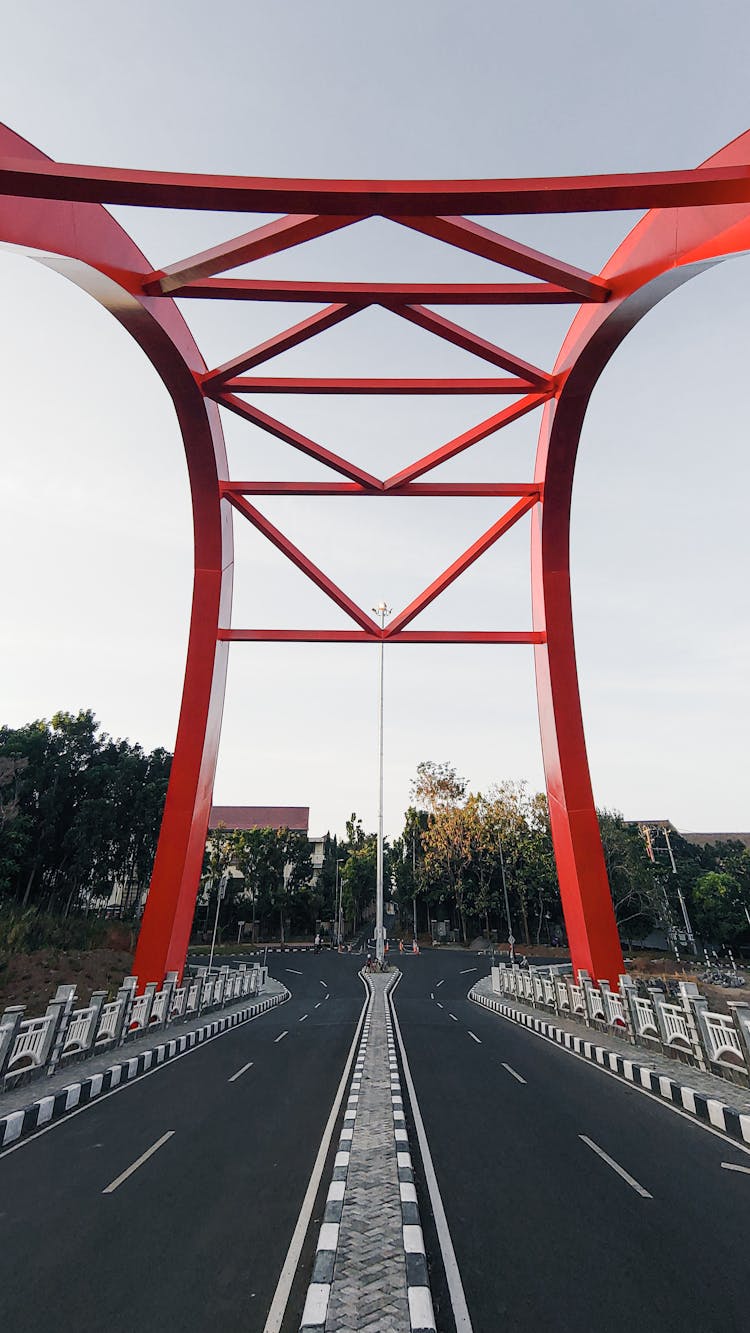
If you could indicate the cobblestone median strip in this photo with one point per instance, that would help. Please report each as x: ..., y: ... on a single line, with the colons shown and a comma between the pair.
x: 370, y: 1269
x: 708, y: 1109
x: 44, y: 1110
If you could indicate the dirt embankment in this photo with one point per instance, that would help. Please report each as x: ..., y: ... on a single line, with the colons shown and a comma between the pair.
x: 33, y: 978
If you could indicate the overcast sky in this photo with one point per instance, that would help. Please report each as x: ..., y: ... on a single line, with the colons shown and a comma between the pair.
x: 95, y: 526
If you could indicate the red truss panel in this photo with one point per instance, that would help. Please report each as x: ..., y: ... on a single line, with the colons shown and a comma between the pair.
x: 53, y: 211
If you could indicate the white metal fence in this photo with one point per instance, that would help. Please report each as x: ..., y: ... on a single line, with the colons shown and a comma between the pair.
x: 34, y: 1045
x: 687, y: 1029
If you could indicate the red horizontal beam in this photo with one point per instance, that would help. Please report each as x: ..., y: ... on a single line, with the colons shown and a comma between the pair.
x: 463, y: 562
x: 256, y: 384
x: 415, y: 489
x: 358, y: 636
x: 551, y: 194
x: 479, y: 240
x: 387, y: 294
x: 466, y: 440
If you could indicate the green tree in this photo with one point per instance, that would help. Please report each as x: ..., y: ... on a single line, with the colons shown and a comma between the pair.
x: 719, y: 903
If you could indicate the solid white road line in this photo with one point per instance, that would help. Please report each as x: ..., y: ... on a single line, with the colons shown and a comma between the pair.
x: 615, y: 1167
x: 304, y: 1016
x: 453, y: 1016
x: 241, y: 1071
x: 732, y: 1166
x: 476, y: 1039
x: 143, y: 1158
x: 439, y: 983
x: 294, y: 971
x: 468, y: 969
x: 281, y: 1036
x: 452, y: 1275
x: 284, y: 1286
x: 513, y: 1072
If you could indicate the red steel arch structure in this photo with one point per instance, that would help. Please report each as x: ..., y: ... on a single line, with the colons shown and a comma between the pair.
x: 695, y: 218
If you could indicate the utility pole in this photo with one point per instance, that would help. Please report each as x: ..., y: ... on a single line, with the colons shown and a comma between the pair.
x: 414, y: 877
x: 381, y: 610
x: 339, y: 895
x: 222, y: 890
x: 511, y: 940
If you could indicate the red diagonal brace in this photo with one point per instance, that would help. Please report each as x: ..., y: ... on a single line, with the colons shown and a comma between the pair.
x: 453, y: 571
x: 465, y: 441
x: 302, y: 562
x: 478, y: 240
x: 471, y: 342
x: 269, y: 239
x: 280, y: 342
x: 297, y: 440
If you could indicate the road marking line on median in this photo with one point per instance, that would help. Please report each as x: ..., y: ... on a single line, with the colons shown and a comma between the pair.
x: 615, y: 1167
x: 143, y: 1158
x: 513, y: 1072
x: 293, y: 970
x: 284, y: 1286
x: 241, y: 1071
x: 468, y: 969
x: 476, y: 1039
x: 281, y: 1036
x: 439, y: 983
x: 733, y: 1166
x: 452, y: 1275
x: 304, y: 1016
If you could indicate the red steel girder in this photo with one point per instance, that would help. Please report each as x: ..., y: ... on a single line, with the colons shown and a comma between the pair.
x: 388, y: 294
x: 471, y: 636
x: 297, y: 384
x: 280, y: 342
x: 303, y: 563
x: 467, y: 439
x: 297, y: 440
x: 478, y: 240
x: 696, y: 187
x: 474, y: 489
x: 270, y: 239
x: 471, y: 342
x: 463, y: 562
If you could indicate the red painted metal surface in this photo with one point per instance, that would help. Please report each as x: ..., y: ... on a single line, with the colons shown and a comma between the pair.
x: 699, y: 217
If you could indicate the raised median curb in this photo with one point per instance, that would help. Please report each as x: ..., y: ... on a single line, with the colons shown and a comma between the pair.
x: 707, y: 1109
x: 370, y: 1267
x: 16, y: 1124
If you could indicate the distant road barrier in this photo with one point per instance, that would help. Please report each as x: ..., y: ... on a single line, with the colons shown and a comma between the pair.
x: 36, y: 1046
x: 689, y: 1030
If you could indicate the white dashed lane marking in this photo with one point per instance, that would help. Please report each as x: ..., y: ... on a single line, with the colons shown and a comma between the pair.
x: 468, y: 969
x: 294, y: 971
x: 439, y: 1005
x: 476, y: 1039
x: 513, y: 1072
x: 453, y: 1016
x: 324, y: 983
x: 304, y: 1016
x: 439, y: 983
x: 139, y: 1162
x: 281, y: 1036
x: 622, y: 1173
x: 243, y: 1070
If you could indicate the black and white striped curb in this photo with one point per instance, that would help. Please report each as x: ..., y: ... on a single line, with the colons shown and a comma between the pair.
x: 18, y: 1123
x: 315, y: 1312
x: 707, y: 1109
x: 421, y: 1312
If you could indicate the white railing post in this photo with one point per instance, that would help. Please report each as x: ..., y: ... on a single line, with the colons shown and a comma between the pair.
x: 98, y: 1001
x: 740, y: 1011
x: 126, y: 994
x: 656, y: 996
x: 10, y: 1023
x: 628, y: 991
x: 691, y: 1000
x: 60, y: 1007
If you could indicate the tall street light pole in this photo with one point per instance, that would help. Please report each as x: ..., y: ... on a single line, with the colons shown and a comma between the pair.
x: 381, y: 611
x: 339, y: 896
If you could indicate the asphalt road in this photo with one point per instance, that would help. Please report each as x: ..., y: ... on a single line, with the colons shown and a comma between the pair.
x: 548, y: 1235
x: 195, y: 1237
